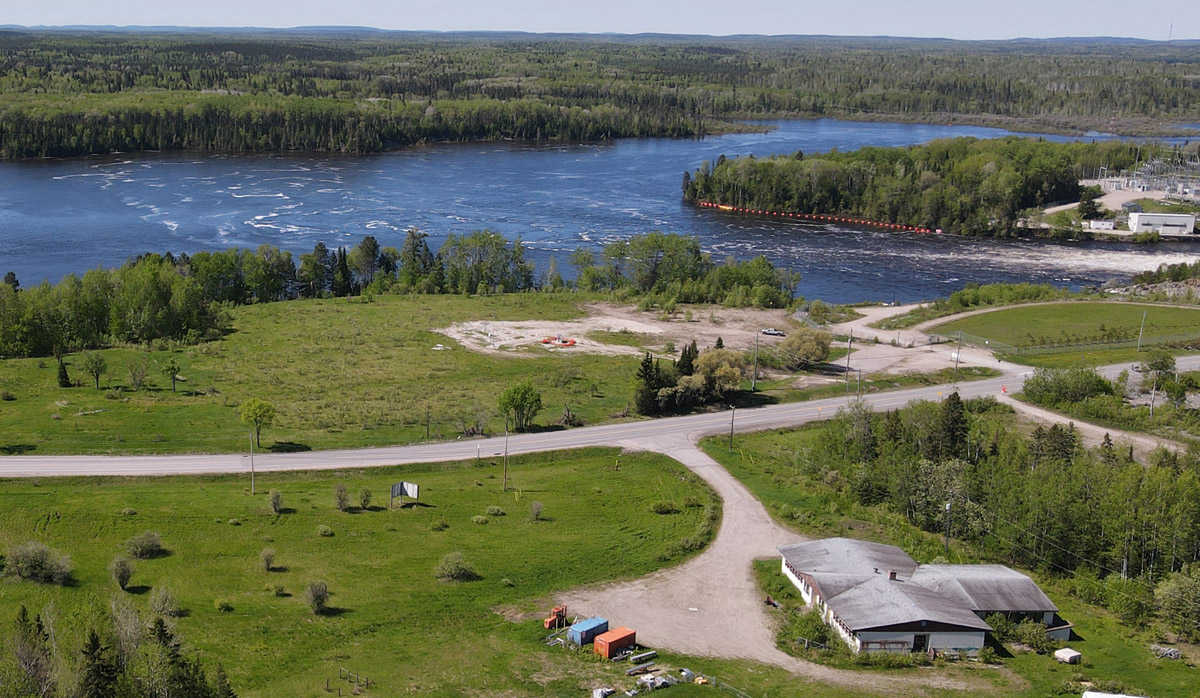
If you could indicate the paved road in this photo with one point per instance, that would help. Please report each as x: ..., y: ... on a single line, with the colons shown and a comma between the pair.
x: 634, y: 434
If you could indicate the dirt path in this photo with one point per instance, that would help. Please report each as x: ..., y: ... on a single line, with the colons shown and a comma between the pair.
x: 1093, y: 435
x: 711, y: 606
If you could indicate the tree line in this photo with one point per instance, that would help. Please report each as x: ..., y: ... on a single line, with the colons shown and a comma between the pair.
x: 73, y: 93
x: 1119, y: 528
x: 962, y: 185
x: 185, y: 298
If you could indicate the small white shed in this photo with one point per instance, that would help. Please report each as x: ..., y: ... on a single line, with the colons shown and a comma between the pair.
x: 1068, y: 656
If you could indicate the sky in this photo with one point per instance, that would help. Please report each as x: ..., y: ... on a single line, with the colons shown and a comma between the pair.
x: 956, y: 19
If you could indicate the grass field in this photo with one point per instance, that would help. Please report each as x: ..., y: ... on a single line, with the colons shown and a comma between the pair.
x: 391, y: 619
x: 1069, y: 323
x: 764, y: 461
x: 342, y: 373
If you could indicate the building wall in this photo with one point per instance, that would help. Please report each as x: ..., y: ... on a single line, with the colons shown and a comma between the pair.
x: 966, y: 641
x: 1161, y: 223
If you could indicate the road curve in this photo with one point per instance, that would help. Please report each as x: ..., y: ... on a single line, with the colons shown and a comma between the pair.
x: 631, y: 434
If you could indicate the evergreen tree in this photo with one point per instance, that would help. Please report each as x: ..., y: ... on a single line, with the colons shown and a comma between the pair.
x: 98, y: 669
x: 10, y: 279
x: 646, y: 384
x: 952, y: 427
x: 720, y: 344
x: 221, y: 687
x: 687, y: 359
x: 343, y: 283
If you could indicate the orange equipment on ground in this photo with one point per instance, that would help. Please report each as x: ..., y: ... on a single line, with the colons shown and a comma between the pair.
x: 557, y: 619
x: 615, y: 640
x: 559, y: 341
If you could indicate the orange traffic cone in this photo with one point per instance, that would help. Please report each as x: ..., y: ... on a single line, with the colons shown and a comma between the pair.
x: 1004, y: 389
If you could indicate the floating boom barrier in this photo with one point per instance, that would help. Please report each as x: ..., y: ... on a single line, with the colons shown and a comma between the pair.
x: 816, y: 217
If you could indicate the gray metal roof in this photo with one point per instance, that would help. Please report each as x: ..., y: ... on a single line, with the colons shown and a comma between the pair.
x: 852, y: 577
x: 848, y: 556
x: 880, y: 602
x: 985, y: 587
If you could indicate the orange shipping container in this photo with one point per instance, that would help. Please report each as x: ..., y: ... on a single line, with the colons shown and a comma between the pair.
x: 613, y: 641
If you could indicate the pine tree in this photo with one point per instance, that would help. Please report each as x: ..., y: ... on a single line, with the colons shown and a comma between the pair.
x: 98, y: 669
x: 221, y: 687
x: 952, y: 427
x: 342, y: 281
x: 687, y: 359
x: 646, y: 386
x: 720, y: 343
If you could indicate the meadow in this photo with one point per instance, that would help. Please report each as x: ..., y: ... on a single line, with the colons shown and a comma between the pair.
x: 1076, y: 323
x: 390, y: 618
x: 347, y: 372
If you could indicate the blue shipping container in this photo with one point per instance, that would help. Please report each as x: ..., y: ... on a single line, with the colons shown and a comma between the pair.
x: 585, y: 631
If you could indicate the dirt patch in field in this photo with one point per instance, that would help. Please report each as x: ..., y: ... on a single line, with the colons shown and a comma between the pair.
x: 737, y: 328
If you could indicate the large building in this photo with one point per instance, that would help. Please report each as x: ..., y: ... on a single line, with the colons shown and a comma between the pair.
x: 1175, y: 223
x: 880, y: 600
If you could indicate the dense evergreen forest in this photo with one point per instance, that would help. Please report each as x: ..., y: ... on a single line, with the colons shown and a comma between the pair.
x: 182, y: 298
x: 961, y: 185
x: 74, y: 92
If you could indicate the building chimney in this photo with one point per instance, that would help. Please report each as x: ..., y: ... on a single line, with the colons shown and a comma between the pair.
x: 892, y: 575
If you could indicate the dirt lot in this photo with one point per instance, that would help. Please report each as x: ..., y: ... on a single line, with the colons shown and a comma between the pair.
x: 737, y: 327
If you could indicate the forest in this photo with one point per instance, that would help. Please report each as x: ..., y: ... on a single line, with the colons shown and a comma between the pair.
x: 65, y: 93
x: 960, y: 185
x: 183, y: 298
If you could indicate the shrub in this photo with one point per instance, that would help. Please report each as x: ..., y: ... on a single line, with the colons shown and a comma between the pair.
x: 324, y: 531
x: 121, y: 570
x: 317, y: 596
x: 692, y: 502
x: 535, y: 511
x: 275, y: 501
x: 38, y: 562
x: 341, y: 497
x: 479, y: 519
x: 439, y: 525
x: 163, y: 603
x: 454, y: 567
x: 276, y: 589
x: 507, y: 582
x: 145, y: 546
x: 267, y: 556
x: 223, y: 605
x: 663, y: 506
x: 1033, y: 634
x: 987, y: 655
x: 129, y: 511
x: 364, y: 498
x: 235, y: 522
x: 494, y: 511
x: 7, y: 396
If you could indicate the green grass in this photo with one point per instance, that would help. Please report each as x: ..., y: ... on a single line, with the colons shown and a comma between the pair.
x: 342, y: 373
x: 781, y: 391
x: 1069, y: 323
x: 393, y: 621
x: 772, y: 466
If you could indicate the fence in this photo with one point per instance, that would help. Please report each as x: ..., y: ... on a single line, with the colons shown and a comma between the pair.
x: 1064, y: 348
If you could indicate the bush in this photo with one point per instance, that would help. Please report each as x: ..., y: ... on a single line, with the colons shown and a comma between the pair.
x: 163, y: 603
x: 121, y: 570
x: 663, y: 506
x: 341, y: 497
x: 987, y: 655
x: 38, y: 562
x: 129, y: 511
x: 479, y: 520
x: 145, y: 546
x: 317, y: 596
x: 1033, y: 634
x: 275, y: 501
x: 439, y: 525
x: 535, y: 511
x: 494, y: 511
x: 507, y: 582
x: 454, y: 567
x: 276, y: 589
x: 7, y: 396
x: 267, y: 556
x: 324, y: 531
x: 223, y: 605
x: 234, y: 522
x: 364, y: 499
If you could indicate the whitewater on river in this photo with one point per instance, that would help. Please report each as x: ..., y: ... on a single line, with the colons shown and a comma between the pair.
x: 66, y: 216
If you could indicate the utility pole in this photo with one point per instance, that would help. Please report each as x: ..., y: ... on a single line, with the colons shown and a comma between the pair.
x: 426, y: 422
x: 251, y: 462
x: 957, y: 355
x: 858, y: 393
x: 947, y: 529
x: 849, y: 348
x: 505, y: 485
x: 754, y: 378
x: 732, y: 412
x: 1153, y: 393
x: 1143, y: 330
